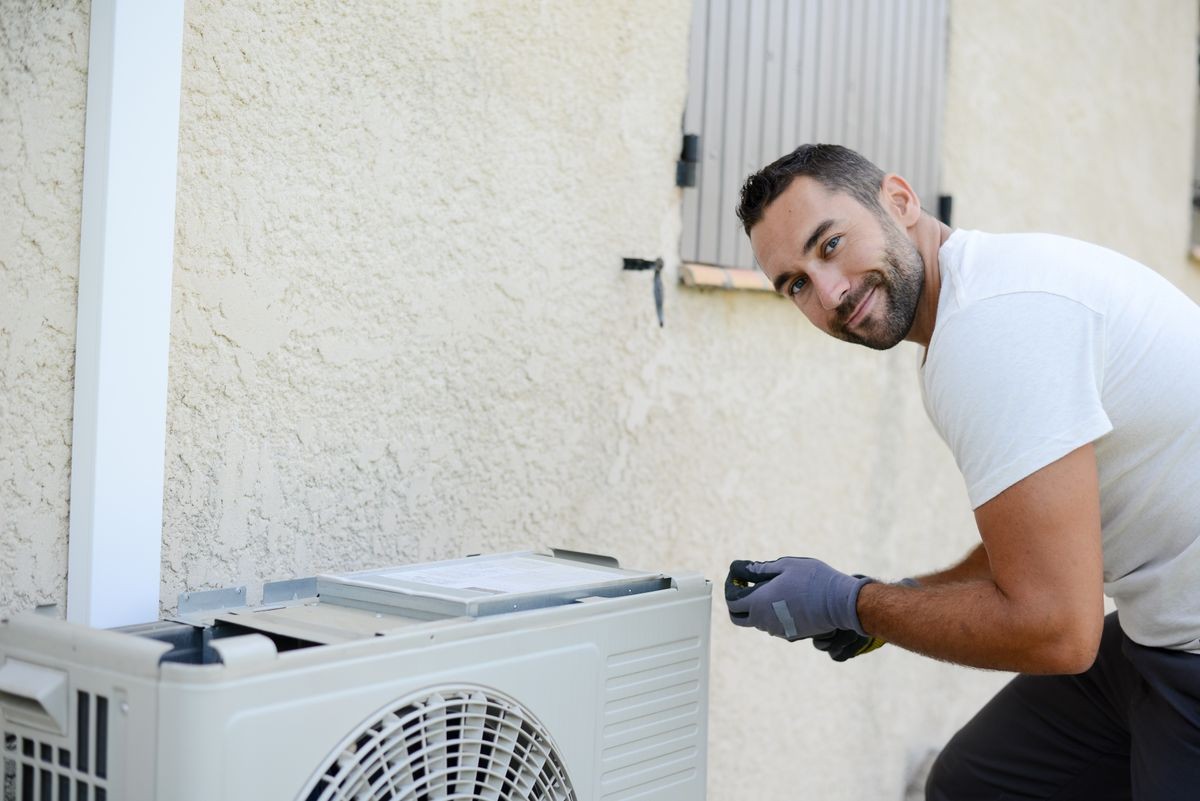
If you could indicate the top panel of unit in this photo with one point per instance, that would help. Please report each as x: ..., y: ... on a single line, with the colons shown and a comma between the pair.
x: 482, y: 585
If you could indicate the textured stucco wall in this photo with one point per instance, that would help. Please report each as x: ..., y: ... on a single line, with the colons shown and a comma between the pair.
x: 1076, y: 117
x: 43, y: 85
x: 400, y: 331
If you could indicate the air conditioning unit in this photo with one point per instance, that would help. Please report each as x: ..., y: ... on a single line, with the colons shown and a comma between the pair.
x: 502, y: 677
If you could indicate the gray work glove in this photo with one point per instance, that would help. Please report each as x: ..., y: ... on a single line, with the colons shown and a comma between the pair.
x: 793, y: 597
x: 843, y: 644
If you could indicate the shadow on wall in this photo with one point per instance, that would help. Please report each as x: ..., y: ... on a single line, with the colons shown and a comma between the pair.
x: 915, y: 791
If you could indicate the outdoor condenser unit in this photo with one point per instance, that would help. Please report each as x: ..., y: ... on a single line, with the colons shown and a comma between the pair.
x: 492, y: 678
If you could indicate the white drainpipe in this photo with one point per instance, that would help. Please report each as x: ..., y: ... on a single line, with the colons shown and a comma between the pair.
x: 122, y: 336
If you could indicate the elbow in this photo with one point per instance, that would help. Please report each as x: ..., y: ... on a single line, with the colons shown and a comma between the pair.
x: 1073, y: 659
x: 1075, y: 646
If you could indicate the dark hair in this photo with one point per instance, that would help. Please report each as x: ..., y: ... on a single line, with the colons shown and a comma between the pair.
x: 837, y: 168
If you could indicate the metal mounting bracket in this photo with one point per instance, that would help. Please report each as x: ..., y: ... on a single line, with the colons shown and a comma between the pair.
x: 191, y: 603
x: 289, y: 590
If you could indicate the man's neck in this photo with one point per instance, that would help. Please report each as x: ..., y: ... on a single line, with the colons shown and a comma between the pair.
x: 928, y: 235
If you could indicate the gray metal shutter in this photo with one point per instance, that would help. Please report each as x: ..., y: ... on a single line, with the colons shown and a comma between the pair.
x: 768, y: 75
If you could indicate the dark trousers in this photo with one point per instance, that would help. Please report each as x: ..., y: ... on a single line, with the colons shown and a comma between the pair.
x: 1128, y: 728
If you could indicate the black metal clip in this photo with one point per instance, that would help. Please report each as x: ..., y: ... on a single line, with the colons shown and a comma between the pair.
x: 689, y: 159
x: 656, y: 265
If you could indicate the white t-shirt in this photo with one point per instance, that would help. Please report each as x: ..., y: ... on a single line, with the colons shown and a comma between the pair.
x: 1043, y: 344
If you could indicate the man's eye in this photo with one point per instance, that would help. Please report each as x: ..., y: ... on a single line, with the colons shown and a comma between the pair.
x: 796, y: 286
x: 832, y: 244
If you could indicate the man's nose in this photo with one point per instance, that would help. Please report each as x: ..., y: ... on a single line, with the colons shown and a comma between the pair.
x: 831, y: 287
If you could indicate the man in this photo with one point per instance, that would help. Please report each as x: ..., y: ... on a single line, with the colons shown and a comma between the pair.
x: 1066, y: 380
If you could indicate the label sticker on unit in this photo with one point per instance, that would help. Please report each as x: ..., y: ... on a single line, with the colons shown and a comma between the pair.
x: 517, y: 575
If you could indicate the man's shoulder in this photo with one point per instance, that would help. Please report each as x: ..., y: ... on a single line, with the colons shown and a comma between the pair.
x: 1032, y: 257
x: 982, y: 266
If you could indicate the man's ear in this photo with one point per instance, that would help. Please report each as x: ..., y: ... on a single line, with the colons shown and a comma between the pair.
x: 899, y: 200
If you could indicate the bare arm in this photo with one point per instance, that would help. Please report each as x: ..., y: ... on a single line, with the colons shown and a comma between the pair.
x: 973, y: 567
x: 1031, y: 600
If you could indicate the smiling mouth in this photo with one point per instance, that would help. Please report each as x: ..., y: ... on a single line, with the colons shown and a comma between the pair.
x: 860, y: 311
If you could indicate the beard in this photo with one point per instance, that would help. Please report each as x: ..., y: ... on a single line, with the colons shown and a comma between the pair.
x: 901, y: 278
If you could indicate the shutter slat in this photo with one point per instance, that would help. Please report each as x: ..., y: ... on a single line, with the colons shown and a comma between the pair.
x: 758, y: 58
x: 789, y: 88
x: 770, y: 146
x: 713, y: 88
x: 693, y: 123
x: 869, y: 96
x: 731, y: 152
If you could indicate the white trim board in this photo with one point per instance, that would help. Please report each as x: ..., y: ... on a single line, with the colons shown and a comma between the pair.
x: 127, y: 239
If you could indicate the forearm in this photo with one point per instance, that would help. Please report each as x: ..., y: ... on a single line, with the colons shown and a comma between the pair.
x: 972, y: 622
x: 973, y: 567
x: 1031, y: 602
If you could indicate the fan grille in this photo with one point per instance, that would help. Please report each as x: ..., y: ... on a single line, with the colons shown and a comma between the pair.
x: 453, y: 744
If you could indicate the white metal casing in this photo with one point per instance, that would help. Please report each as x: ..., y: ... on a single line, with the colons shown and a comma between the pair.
x: 619, y: 683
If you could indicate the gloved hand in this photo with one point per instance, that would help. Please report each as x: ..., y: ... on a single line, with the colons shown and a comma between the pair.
x: 793, y: 597
x: 843, y: 644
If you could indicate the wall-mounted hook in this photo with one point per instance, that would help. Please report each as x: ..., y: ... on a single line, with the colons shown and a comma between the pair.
x: 656, y: 265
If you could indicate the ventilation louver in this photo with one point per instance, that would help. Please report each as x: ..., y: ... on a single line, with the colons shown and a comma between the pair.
x: 456, y: 743
x: 34, y: 770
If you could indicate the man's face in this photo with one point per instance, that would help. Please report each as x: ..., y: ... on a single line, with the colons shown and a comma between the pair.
x: 855, y: 276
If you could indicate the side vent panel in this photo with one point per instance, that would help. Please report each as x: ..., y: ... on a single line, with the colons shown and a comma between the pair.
x: 653, y: 719
x: 36, y: 769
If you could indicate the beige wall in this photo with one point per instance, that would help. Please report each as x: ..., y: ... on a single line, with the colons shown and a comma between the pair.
x: 43, y: 86
x: 400, y: 330
x: 1076, y: 117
